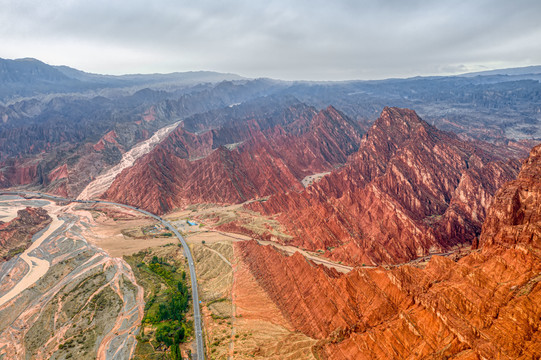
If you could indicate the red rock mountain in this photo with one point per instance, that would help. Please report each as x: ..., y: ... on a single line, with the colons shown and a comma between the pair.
x: 515, y: 217
x: 409, y: 190
x: 16, y: 235
x: 238, y: 162
x: 486, y: 305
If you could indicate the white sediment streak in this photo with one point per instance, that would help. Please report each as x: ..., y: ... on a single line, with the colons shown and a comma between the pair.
x: 99, y: 185
x: 310, y: 179
x: 36, y: 267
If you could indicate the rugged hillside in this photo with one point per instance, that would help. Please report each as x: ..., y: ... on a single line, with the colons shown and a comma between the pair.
x: 52, y: 117
x: 26, y: 77
x: 515, y: 217
x: 89, y: 134
x: 31, y: 77
x: 493, y: 107
x: 485, y: 306
x: 409, y: 190
x: 67, y: 144
x: 16, y: 235
x: 252, y: 157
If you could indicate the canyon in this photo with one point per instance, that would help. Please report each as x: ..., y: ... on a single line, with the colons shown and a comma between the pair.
x: 402, y: 191
x: 392, y: 219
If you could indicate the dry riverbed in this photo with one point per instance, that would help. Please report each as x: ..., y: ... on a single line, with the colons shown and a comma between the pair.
x: 69, y: 299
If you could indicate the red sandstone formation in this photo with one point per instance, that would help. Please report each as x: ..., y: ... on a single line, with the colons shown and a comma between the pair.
x: 409, y: 190
x: 485, y: 306
x: 237, y: 163
x: 150, y: 114
x: 107, y: 140
x: 16, y: 235
x: 515, y: 216
x: 58, y: 180
x: 17, y: 172
x: 110, y: 138
x: 59, y: 173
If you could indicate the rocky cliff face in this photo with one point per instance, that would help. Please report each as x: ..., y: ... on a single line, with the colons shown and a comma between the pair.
x: 16, y: 171
x: 515, y: 217
x: 409, y: 190
x: 251, y: 158
x: 487, y: 305
x: 16, y: 235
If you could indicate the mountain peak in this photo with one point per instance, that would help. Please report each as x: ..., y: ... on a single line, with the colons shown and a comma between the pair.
x: 396, y: 126
x: 29, y: 59
x: 393, y: 116
x: 337, y: 124
x: 331, y: 109
x: 331, y: 113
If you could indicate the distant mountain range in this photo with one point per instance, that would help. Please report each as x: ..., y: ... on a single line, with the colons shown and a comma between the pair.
x: 527, y: 70
x: 55, y: 116
x: 29, y: 77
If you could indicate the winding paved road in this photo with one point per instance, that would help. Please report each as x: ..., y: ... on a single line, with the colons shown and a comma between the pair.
x: 195, y: 294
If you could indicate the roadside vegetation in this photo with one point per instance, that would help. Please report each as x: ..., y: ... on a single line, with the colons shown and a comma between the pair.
x: 165, y: 327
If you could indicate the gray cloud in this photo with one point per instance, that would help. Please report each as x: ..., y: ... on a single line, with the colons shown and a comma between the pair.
x: 283, y: 39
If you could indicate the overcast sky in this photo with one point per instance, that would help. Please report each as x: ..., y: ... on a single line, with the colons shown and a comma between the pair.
x: 285, y: 39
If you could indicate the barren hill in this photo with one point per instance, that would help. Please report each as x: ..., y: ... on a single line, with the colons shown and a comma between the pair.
x: 408, y: 191
x: 486, y: 305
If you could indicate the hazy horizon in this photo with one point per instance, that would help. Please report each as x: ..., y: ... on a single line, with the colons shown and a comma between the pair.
x: 317, y: 40
x: 262, y: 77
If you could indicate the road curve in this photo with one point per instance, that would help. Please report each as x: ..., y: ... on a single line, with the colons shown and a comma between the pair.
x: 195, y: 294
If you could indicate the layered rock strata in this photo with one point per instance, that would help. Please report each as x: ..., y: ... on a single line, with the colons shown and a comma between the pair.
x: 486, y: 305
x: 409, y: 190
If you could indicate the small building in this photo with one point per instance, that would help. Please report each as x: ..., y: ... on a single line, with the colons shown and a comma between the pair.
x: 191, y: 223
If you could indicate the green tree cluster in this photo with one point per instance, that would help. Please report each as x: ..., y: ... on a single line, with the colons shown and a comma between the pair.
x: 176, y: 307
